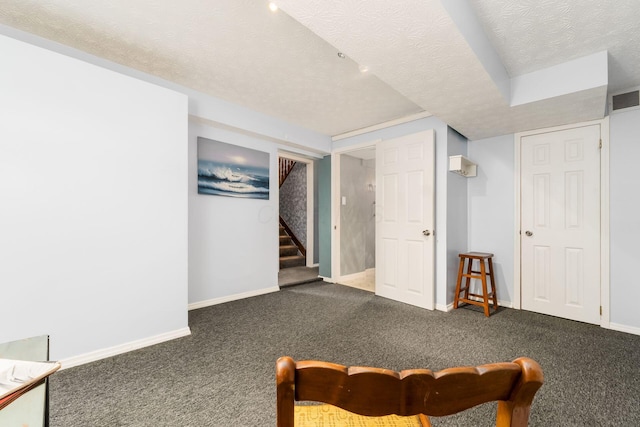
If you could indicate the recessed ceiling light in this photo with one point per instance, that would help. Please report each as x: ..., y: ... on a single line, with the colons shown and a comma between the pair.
x: 273, y: 7
x: 341, y: 55
x: 364, y: 69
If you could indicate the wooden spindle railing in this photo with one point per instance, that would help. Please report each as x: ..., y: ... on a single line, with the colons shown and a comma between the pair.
x: 285, y: 168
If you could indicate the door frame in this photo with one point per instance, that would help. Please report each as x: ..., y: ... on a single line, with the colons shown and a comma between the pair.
x: 604, y: 214
x: 335, y: 203
x: 310, y: 213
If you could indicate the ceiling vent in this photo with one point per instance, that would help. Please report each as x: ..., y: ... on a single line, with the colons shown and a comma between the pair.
x: 624, y: 101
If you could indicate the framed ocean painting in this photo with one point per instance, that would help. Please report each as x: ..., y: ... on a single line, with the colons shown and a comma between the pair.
x: 233, y: 171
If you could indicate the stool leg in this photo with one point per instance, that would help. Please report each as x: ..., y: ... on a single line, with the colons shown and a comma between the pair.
x: 485, y: 298
x: 458, y: 284
x: 493, y: 284
x: 468, y: 279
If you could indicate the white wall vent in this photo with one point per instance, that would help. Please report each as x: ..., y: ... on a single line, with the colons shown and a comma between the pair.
x: 624, y: 101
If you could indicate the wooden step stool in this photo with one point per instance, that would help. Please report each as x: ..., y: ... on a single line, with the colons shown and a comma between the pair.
x: 481, y: 275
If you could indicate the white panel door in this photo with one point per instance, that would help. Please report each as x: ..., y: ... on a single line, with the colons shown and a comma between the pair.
x: 560, y: 225
x: 405, y: 219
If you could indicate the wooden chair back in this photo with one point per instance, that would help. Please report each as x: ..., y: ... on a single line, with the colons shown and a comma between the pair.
x: 380, y: 392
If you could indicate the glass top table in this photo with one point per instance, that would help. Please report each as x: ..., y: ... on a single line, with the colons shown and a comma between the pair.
x: 32, y: 408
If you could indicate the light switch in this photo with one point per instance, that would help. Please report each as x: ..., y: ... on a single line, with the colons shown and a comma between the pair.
x: 344, y: 201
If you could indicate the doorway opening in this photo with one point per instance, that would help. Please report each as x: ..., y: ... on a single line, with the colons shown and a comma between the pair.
x: 355, y: 210
x: 296, y: 219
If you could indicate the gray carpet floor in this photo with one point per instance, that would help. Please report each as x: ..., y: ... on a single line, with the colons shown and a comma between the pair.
x: 223, y: 374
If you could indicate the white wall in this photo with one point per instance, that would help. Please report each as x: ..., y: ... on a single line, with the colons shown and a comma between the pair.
x: 233, y: 243
x: 492, y: 208
x: 132, y: 135
x: 624, y: 211
x: 93, y: 213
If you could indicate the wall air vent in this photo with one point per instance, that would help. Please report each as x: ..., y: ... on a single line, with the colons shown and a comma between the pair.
x: 624, y: 101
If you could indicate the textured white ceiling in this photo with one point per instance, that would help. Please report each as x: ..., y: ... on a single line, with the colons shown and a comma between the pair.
x: 534, y: 34
x: 236, y: 50
x: 420, y: 58
x: 419, y: 50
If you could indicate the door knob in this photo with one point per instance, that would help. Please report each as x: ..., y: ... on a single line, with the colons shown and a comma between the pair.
x: 528, y: 233
x: 426, y: 232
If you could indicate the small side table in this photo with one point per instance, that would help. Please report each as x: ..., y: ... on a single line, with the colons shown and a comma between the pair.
x: 482, y: 275
x: 30, y: 405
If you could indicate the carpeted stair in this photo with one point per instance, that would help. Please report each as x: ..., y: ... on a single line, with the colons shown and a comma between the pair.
x: 290, y: 256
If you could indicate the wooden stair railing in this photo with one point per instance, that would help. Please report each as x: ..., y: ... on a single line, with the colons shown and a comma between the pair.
x: 295, y: 240
x: 285, y: 166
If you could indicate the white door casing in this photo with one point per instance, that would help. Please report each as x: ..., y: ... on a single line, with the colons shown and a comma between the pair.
x: 405, y: 194
x: 560, y: 223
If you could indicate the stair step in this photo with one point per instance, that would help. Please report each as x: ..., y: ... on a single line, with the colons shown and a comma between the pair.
x: 285, y: 241
x: 292, y: 261
x: 288, y: 250
x: 283, y: 232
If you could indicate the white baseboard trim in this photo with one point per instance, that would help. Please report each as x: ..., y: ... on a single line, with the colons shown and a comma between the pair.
x: 449, y: 307
x: 123, y: 348
x: 445, y: 308
x: 354, y: 286
x: 354, y: 280
x: 624, y: 328
x: 327, y: 279
x: 506, y: 304
x: 230, y: 298
x: 359, y: 275
x: 352, y: 276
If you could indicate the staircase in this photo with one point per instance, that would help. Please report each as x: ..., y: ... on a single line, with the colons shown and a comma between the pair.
x: 290, y: 255
x: 292, y: 251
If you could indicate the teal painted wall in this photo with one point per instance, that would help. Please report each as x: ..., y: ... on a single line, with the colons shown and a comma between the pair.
x: 324, y: 216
